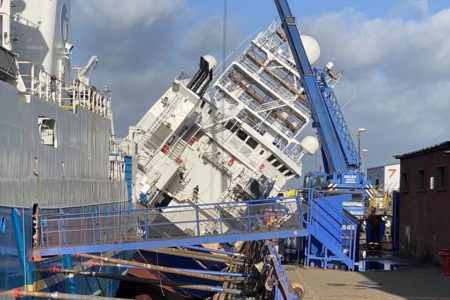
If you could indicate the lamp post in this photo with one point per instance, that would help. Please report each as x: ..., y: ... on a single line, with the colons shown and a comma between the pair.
x: 363, y: 155
x: 360, y: 130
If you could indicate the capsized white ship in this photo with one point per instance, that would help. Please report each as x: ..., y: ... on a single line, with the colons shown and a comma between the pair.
x: 236, y: 140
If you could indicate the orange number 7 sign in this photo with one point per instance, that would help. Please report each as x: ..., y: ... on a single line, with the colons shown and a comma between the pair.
x: 391, y: 172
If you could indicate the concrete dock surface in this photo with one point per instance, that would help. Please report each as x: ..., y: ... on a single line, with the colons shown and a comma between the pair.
x: 424, y: 282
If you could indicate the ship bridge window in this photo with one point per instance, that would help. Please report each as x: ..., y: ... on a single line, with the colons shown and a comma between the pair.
x: 282, y: 169
x: 271, y: 157
x: 252, y: 143
x: 231, y: 125
x: 289, y: 173
x: 242, y: 135
x: 276, y: 163
x: 47, y: 131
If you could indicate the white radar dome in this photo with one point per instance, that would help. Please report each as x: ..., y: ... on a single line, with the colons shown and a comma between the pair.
x: 312, y: 49
x: 211, y: 61
x: 310, y: 144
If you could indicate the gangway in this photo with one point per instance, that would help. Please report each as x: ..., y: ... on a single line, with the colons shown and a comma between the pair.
x: 148, y: 228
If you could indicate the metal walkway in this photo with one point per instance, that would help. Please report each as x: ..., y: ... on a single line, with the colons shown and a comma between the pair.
x: 152, y: 228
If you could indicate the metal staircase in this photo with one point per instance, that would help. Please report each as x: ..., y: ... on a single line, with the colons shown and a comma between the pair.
x: 178, y: 149
x: 332, y: 232
x: 185, y: 138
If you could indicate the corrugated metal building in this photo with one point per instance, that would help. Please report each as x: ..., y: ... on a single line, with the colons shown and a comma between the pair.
x: 425, y: 201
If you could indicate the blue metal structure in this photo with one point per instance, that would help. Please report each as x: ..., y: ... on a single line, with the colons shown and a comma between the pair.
x: 150, y: 228
x: 281, y: 290
x: 332, y: 231
x: 20, y: 238
x: 396, y: 221
x: 340, y: 158
x: 67, y: 263
x: 128, y: 176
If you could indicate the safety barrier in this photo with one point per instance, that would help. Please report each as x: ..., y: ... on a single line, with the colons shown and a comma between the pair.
x: 332, y: 232
x: 148, y: 228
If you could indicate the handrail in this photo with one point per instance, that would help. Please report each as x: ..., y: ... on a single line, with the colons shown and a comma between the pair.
x: 342, y: 231
x: 244, y: 203
x: 154, y: 224
x: 52, y: 89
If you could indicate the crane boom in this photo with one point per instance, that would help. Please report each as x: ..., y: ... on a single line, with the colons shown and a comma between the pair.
x: 342, y: 185
x: 338, y: 150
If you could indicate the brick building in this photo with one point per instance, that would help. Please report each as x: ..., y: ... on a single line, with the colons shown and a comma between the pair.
x: 424, y: 204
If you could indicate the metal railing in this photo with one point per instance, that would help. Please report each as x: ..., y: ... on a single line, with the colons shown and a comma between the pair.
x: 107, y: 230
x: 333, y: 228
x: 8, y: 67
x: 51, y: 89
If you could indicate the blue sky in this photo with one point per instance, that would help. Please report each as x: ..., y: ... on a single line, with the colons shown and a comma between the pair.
x: 396, y: 56
x: 254, y: 13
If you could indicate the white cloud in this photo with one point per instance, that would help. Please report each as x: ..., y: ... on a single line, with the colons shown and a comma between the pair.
x: 413, y: 8
x: 123, y: 15
x: 399, y: 70
x: 207, y: 38
x: 139, y: 61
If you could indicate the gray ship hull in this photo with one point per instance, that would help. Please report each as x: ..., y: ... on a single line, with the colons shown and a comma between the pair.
x: 70, y: 176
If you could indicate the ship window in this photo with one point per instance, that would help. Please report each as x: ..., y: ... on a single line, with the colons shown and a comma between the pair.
x: 283, y: 169
x: 276, y: 163
x: 209, y: 111
x: 47, y: 131
x: 199, y: 134
x: 252, y: 143
x: 231, y: 125
x: 261, y: 152
x: 271, y: 157
x: 289, y: 174
x: 242, y: 135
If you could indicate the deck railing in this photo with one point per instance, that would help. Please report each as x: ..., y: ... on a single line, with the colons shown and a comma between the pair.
x: 62, y: 233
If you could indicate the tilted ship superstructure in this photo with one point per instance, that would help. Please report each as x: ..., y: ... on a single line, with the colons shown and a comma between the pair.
x: 235, y: 140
